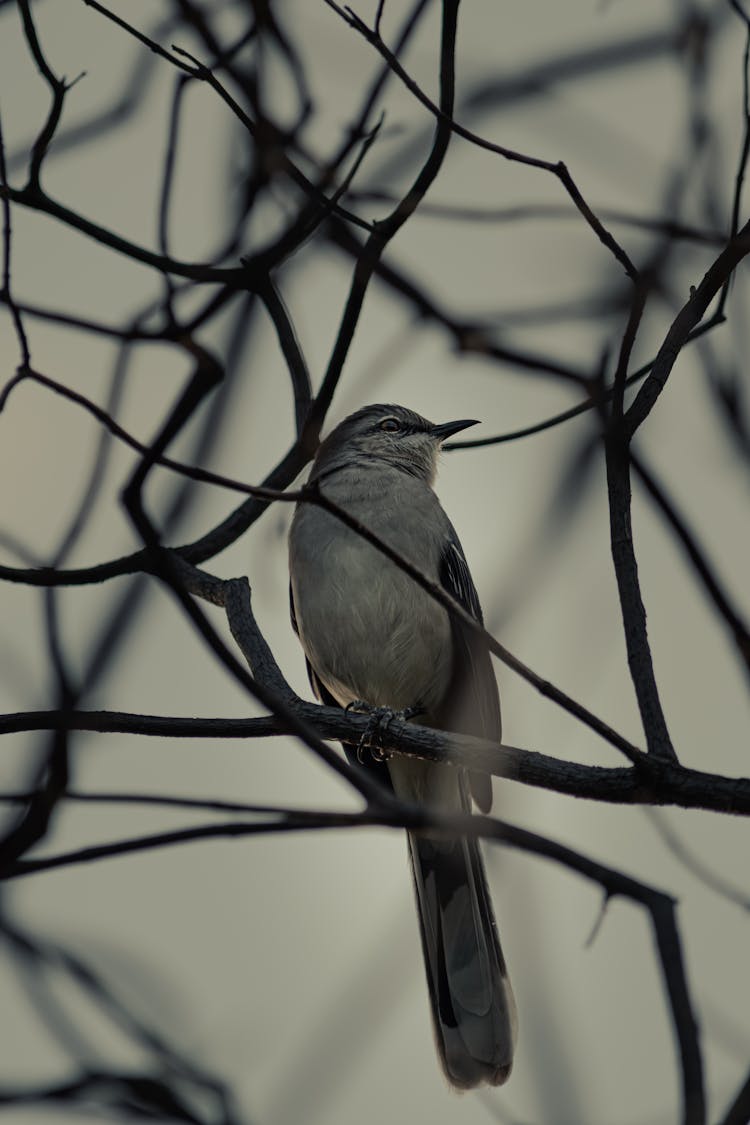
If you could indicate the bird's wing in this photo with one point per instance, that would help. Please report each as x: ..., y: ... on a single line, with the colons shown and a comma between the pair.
x: 376, y: 768
x: 321, y: 691
x: 472, y: 705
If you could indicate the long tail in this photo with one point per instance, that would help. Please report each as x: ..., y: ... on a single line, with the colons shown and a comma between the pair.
x: 473, y: 1009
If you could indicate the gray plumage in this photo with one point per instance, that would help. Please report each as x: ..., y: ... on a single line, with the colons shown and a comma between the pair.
x: 370, y: 633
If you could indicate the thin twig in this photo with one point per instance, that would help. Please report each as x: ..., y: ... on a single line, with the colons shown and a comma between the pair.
x: 290, y: 349
x: 469, y: 337
x: 557, y: 168
x: 6, y: 294
x: 739, y: 181
x: 659, y: 906
x: 619, y: 493
x: 534, y: 212
x: 58, y: 89
x: 679, y: 332
x: 388, y: 227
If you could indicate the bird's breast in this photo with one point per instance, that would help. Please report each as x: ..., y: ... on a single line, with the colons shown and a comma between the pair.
x: 369, y: 631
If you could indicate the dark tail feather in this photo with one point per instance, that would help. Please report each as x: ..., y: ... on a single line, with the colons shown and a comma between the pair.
x: 472, y: 1002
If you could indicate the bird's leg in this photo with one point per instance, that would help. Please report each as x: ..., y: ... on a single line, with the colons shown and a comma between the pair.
x: 383, y: 721
x: 380, y: 718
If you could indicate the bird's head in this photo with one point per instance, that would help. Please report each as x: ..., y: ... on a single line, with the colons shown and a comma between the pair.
x: 393, y: 434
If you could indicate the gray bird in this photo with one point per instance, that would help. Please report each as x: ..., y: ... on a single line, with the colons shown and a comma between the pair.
x: 371, y: 634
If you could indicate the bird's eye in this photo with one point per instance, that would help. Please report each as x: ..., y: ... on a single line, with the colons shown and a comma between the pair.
x: 390, y: 425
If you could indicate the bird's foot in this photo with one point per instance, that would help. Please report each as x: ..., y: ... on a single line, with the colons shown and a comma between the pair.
x: 380, y: 718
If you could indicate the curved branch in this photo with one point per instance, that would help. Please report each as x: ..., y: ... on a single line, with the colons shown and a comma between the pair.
x: 660, y: 907
x: 665, y: 784
x: 679, y: 332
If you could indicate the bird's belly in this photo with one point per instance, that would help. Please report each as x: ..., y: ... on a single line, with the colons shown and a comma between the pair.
x: 374, y: 635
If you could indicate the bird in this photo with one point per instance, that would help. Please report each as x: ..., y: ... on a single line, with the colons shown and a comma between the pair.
x: 373, y: 638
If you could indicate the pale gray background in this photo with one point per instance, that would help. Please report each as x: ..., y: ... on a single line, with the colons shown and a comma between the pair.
x: 292, y: 965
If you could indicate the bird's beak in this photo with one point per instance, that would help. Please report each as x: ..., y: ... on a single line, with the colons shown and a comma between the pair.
x: 448, y: 429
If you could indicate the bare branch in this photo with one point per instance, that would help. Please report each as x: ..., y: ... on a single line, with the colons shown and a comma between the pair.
x: 557, y: 168
x: 58, y: 89
x: 633, y: 610
x: 679, y: 332
x: 664, y: 784
x: 659, y: 906
x: 469, y: 338
x: 739, y: 1111
x: 295, y: 361
x: 387, y: 228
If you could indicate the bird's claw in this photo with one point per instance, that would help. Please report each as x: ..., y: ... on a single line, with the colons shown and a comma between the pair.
x: 380, y: 718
